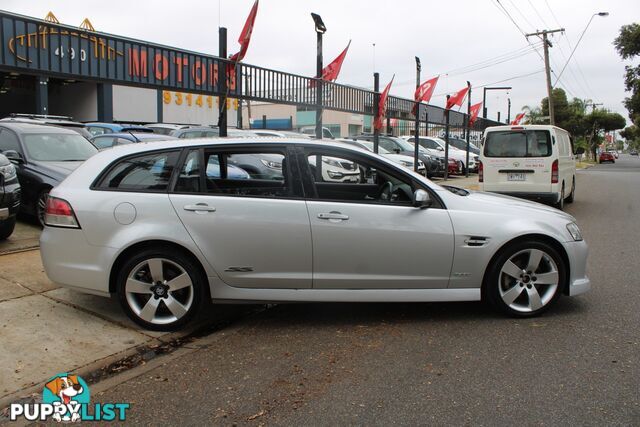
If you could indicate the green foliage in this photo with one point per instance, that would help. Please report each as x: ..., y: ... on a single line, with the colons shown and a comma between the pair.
x: 628, y: 46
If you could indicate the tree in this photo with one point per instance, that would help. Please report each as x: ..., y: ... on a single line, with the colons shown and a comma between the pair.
x: 628, y: 46
x: 560, y: 106
x: 632, y: 135
x: 602, y: 120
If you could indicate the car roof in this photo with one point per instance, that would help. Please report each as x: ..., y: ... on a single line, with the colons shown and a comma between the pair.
x: 43, y: 120
x: 521, y: 127
x: 28, y: 127
x: 138, y: 135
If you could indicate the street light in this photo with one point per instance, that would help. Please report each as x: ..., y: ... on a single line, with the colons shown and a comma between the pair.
x: 484, y: 97
x: 320, y: 30
x: 602, y: 14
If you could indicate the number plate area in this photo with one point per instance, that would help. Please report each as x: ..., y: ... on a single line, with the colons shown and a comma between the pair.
x: 516, y: 177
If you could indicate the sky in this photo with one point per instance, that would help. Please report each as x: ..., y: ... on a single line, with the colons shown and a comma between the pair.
x: 461, y: 40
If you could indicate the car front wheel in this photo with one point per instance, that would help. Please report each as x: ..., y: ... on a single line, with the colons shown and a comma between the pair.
x: 525, y: 279
x: 161, y: 290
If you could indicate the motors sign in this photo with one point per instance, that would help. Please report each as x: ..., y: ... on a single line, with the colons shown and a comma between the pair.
x: 40, y: 47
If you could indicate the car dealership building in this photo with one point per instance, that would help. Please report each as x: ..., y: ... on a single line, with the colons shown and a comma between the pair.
x: 49, y: 68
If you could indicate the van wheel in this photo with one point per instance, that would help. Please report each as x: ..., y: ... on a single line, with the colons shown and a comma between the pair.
x: 560, y: 204
x: 572, y: 195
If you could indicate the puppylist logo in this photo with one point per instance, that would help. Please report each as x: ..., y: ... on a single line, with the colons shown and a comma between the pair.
x: 66, y: 398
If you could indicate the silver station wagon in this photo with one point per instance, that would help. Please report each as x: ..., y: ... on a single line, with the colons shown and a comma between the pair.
x: 170, y: 227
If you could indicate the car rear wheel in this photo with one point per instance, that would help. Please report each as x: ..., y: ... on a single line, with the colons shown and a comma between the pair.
x: 6, y: 227
x: 161, y: 290
x: 525, y: 279
x: 572, y: 195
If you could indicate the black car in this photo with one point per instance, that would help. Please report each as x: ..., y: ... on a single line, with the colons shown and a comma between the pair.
x: 633, y: 152
x: 9, y: 197
x: 43, y: 156
x: 44, y: 119
x: 399, y: 146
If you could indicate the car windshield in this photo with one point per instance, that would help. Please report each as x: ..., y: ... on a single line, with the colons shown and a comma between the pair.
x: 524, y: 143
x: 406, y: 145
x: 58, y: 147
x: 369, y: 146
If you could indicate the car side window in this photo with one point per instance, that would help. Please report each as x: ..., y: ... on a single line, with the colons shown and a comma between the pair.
x: 98, y: 130
x: 147, y: 172
x: 9, y: 141
x: 122, y: 141
x: 237, y: 173
x: 349, y: 178
x: 388, y: 145
x: 103, y: 142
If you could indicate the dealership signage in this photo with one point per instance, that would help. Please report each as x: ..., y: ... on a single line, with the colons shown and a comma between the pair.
x: 38, y: 46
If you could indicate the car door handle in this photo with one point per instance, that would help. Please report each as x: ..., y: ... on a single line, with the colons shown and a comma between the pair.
x: 333, y: 216
x: 199, y: 207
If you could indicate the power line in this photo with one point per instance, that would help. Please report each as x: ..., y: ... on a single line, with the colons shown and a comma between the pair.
x: 521, y: 14
x: 538, y: 13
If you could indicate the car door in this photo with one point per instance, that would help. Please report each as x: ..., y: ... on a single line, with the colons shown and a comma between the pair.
x: 253, y: 230
x: 367, y: 235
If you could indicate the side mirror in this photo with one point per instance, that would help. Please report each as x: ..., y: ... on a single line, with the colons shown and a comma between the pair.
x: 421, y: 199
x: 396, y: 150
x: 579, y: 150
x: 440, y: 148
x: 13, y: 156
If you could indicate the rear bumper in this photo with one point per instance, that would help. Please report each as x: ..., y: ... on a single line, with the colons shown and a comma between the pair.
x: 548, y: 198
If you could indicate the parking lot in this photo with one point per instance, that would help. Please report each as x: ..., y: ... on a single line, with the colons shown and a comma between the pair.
x: 328, y: 364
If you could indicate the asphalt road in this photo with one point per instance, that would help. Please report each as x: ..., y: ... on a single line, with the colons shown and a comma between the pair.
x: 437, y: 364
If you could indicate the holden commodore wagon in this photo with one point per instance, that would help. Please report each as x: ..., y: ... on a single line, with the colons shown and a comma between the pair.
x: 148, y: 224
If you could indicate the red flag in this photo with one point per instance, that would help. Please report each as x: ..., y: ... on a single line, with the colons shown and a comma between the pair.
x: 473, y: 113
x: 425, y: 90
x: 331, y: 71
x: 519, y: 117
x: 245, y: 35
x: 457, y: 98
x: 382, y: 106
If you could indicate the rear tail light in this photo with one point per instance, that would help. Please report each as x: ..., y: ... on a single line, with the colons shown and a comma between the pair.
x: 59, y: 213
x: 480, y: 172
x: 554, y: 172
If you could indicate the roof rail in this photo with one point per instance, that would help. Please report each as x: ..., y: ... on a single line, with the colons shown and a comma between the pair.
x: 40, y: 116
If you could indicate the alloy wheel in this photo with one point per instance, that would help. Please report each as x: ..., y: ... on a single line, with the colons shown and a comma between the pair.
x: 159, y: 291
x: 41, y: 208
x: 528, y: 281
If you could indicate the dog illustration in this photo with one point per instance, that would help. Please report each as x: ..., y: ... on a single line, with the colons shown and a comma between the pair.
x: 66, y: 388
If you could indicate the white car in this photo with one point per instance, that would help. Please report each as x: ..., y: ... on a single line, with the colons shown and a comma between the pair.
x: 437, y: 145
x: 401, y: 159
x: 534, y: 162
x: 144, y: 222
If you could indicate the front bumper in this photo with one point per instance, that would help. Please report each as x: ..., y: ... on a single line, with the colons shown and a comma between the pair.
x: 579, y: 282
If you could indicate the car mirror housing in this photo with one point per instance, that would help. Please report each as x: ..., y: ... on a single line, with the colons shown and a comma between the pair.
x: 13, y: 156
x: 421, y: 199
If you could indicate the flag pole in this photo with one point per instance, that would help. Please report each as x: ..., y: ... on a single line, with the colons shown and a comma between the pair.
x: 468, y: 127
x: 417, y: 121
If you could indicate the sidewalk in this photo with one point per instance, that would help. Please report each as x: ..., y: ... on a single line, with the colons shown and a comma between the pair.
x: 45, y: 329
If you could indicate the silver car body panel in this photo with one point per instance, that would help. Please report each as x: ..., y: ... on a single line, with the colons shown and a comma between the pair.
x: 271, y: 247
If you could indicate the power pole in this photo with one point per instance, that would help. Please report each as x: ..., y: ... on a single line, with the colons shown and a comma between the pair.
x: 547, y: 44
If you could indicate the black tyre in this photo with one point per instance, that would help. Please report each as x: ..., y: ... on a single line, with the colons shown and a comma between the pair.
x: 41, y: 205
x: 525, y: 279
x: 161, y: 289
x: 572, y: 195
x: 6, y: 227
x: 560, y: 203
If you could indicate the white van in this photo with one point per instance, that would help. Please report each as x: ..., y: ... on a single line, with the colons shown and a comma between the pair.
x: 534, y: 162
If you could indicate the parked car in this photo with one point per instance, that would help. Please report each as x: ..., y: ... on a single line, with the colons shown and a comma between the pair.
x: 63, y: 121
x: 164, y: 128
x: 461, y: 144
x: 605, y: 156
x: 9, y: 196
x: 401, y: 159
x: 311, y: 131
x: 524, y: 161
x: 43, y: 156
x: 399, y: 146
x: 135, y: 223
x: 192, y: 132
x: 280, y: 133
x: 110, y: 140
x: 438, y: 145
x: 633, y: 152
x: 99, y: 128
x: 614, y: 153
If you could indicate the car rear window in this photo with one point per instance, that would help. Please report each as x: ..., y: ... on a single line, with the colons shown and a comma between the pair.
x: 146, y: 172
x: 523, y: 143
